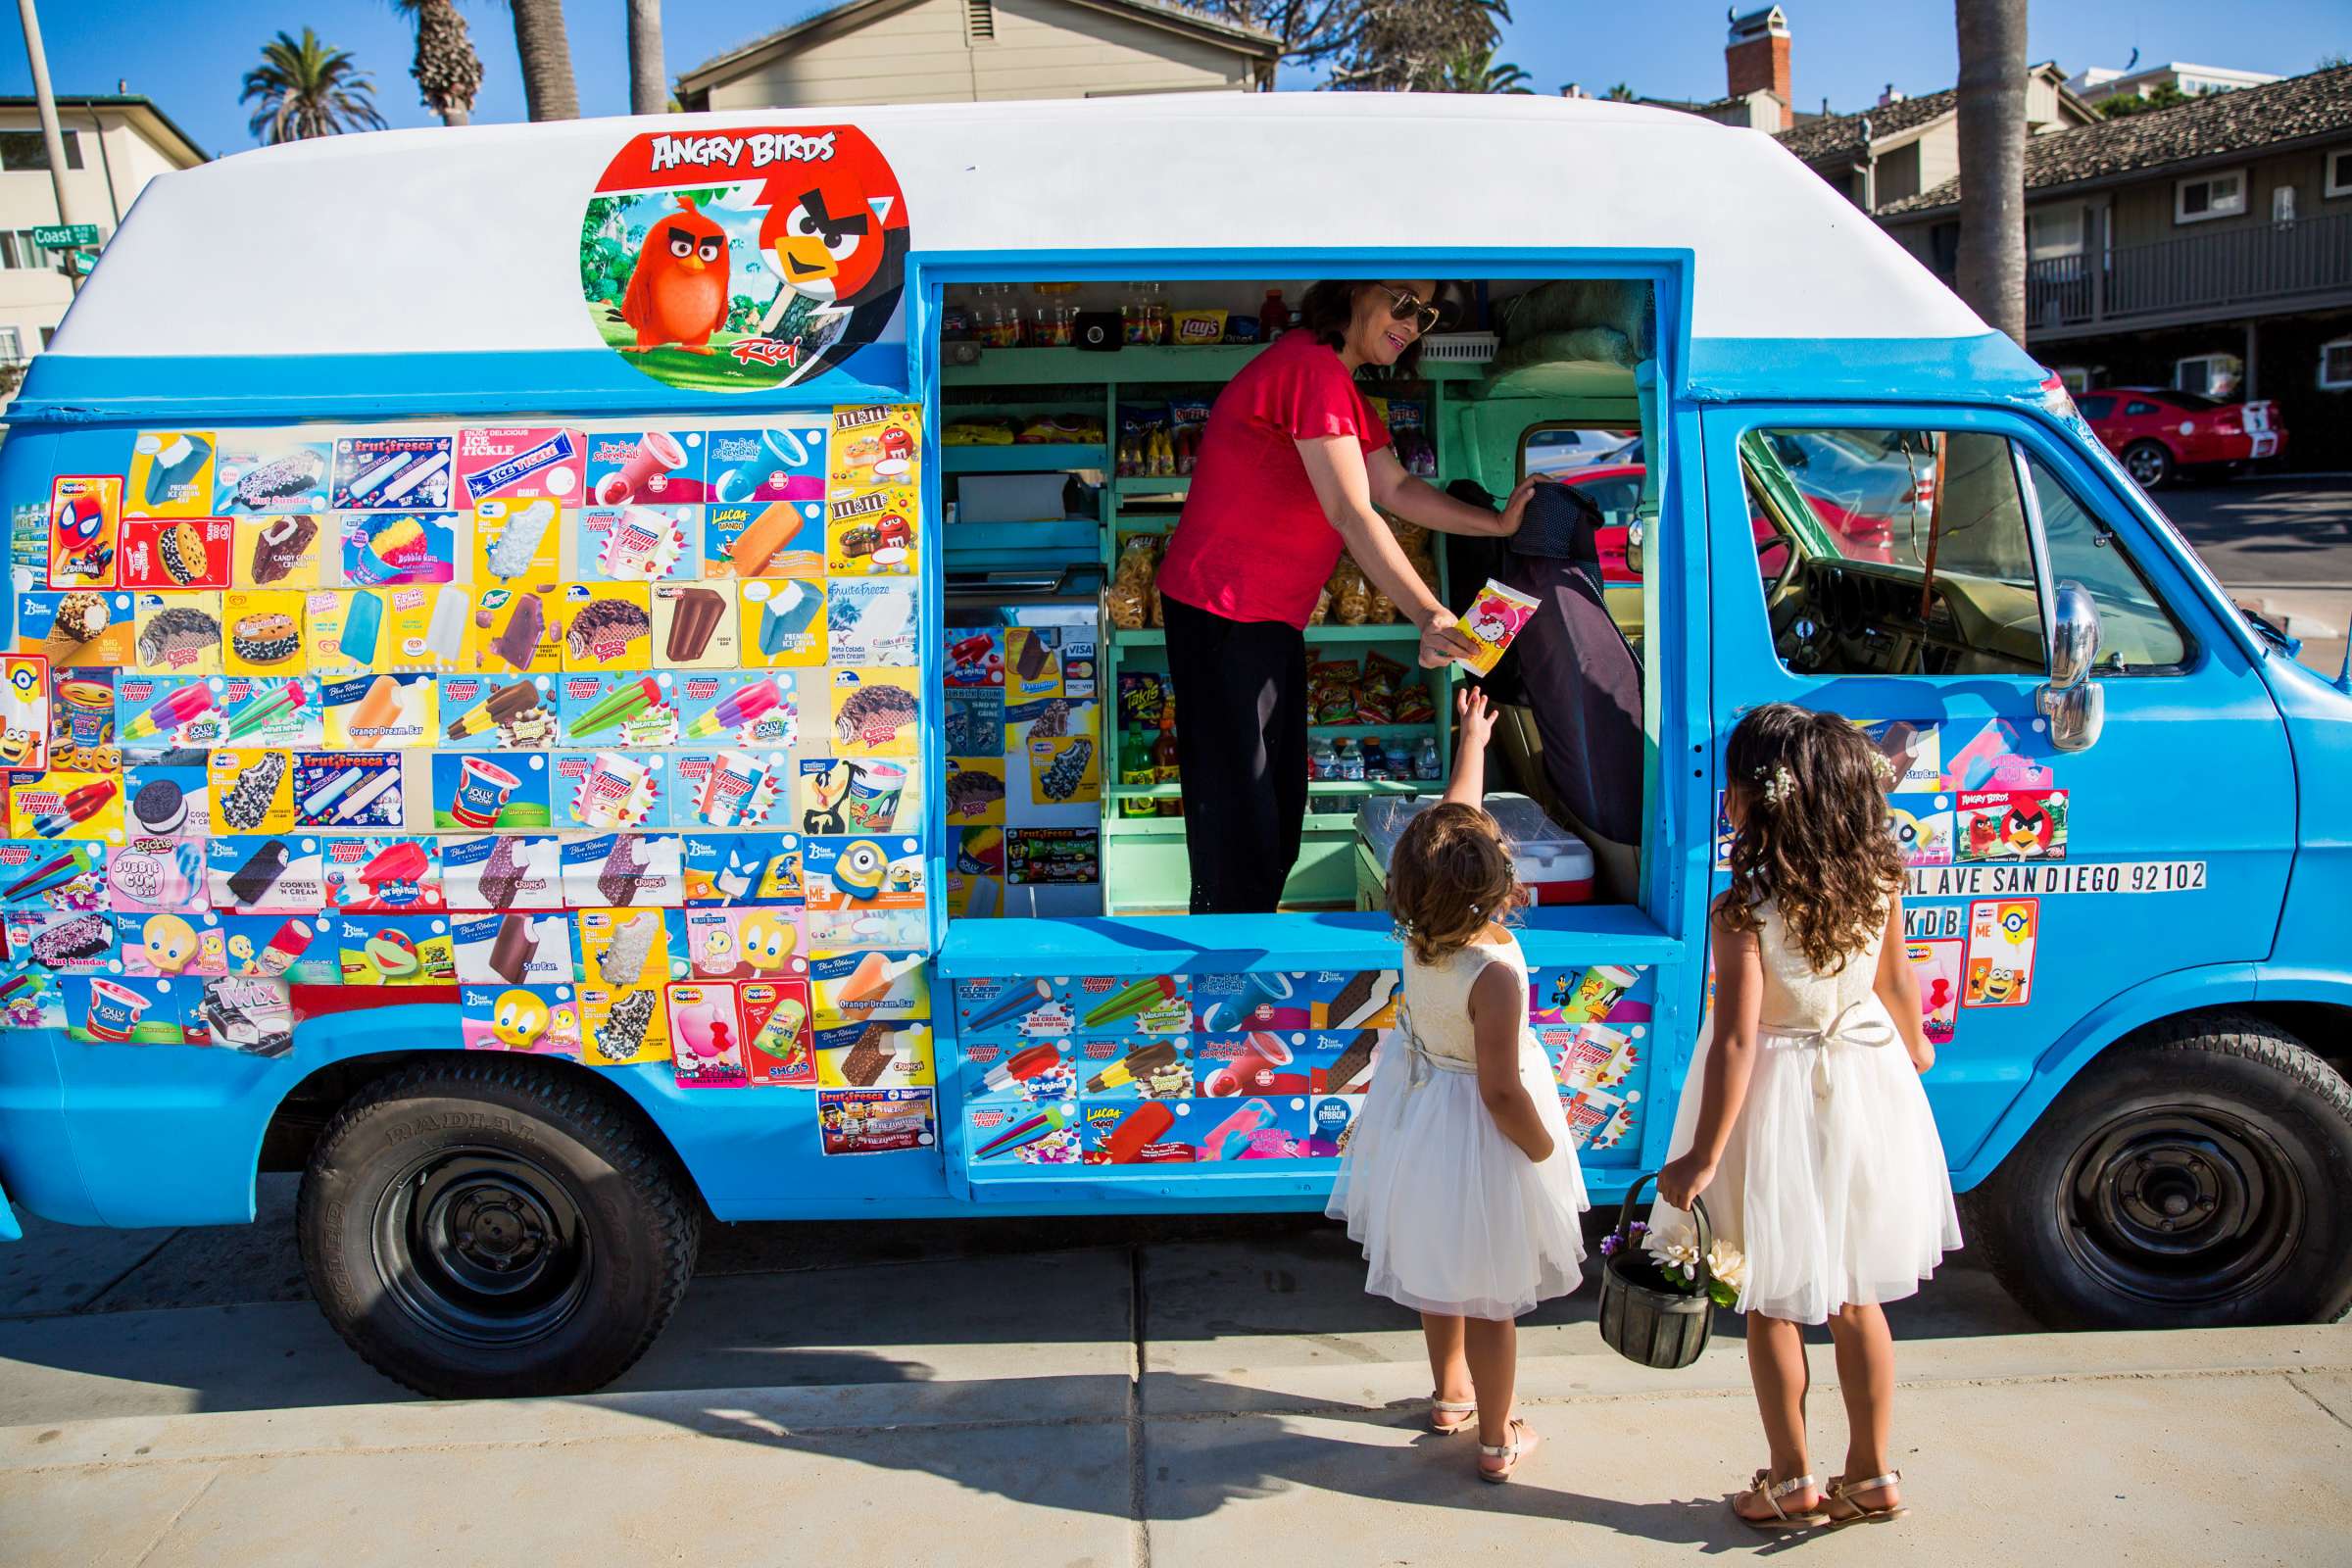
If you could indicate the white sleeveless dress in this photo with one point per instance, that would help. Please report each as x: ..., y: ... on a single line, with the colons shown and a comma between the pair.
x: 1452, y: 1216
x: 1834, y: 1182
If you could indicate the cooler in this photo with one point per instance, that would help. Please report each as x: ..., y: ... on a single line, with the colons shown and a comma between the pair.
x: 1554, y: 865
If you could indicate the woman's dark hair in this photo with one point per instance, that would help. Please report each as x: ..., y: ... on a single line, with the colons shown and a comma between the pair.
x: 1452, y: 874
x: 1814, y: 835
x: 1327, y: 308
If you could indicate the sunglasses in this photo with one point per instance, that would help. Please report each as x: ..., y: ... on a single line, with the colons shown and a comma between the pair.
x: 1407, y: 307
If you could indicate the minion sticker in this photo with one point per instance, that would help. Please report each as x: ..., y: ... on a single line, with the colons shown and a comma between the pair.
x: 2003, y: 937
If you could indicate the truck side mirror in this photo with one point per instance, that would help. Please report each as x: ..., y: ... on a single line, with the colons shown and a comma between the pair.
x: 2074, y: 703
x: 1632, y: 546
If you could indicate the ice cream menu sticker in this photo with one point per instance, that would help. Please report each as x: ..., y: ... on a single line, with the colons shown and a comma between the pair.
x: 498, y: 710
x: 745, y: 260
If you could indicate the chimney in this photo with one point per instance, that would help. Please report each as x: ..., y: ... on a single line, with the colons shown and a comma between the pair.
x: 1756, y: 58
x: 1891, y: 96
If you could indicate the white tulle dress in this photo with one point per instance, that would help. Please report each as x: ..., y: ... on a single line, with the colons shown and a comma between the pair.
x: 1452, y: 1215
x: 1834, y: 1182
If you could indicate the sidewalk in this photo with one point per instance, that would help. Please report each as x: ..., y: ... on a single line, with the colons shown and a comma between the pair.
x: 2226, y: 1446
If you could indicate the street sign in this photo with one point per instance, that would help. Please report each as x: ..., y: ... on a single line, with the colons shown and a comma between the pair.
x: 65, y: 237
x: 82, y: 263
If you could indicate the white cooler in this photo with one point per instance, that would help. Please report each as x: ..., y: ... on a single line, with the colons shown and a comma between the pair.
x: 1554, y: 865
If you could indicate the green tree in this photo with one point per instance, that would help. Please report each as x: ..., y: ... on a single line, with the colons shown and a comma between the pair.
x: 1477, y: 71
x: 2163, y: 96
x: 1411, y: 45
x: 1620, y: 94
x: 303, y: 88
x: 448, y: 73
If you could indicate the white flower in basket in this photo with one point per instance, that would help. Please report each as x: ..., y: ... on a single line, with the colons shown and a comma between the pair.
x: 1728, y: 1265
x: 1677, y: 1252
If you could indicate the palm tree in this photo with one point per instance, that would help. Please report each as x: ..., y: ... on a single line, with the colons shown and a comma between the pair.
x: 548, y: 90
x: 1991, y: 260
x: 1477, y: 71
x: 649, y: 85
x: 448, y: 71
x: 307, y: 89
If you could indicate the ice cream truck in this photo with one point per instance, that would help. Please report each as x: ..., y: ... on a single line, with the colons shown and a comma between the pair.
x: 610, y: 674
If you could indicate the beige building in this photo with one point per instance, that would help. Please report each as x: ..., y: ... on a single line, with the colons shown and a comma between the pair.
x: 114, y: 146
x: 947, y: 51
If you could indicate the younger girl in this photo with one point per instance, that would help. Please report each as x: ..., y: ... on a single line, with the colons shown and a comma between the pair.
x: 1459, y: 1180
x: 1801, y: 1123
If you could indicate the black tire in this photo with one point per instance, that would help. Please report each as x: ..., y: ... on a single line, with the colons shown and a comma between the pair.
x: 486, y: 1227
x: 2151, y: 463
x: 2192, y: 1177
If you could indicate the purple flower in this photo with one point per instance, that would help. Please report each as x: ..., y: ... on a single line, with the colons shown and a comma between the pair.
x: 1608, y: 1244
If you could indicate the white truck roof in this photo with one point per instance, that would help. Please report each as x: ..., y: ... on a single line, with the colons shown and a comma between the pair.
x: 468, y: 240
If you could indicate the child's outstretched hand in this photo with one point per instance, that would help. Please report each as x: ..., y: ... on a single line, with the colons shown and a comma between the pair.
x: 1474, y: 716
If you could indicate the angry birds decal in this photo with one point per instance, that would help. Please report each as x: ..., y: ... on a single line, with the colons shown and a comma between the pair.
x: 678, y: 289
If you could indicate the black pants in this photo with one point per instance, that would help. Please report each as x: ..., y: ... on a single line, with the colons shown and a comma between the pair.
x: 1240, y: 745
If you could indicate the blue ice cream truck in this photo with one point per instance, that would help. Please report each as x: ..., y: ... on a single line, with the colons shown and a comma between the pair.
x: 567, y: 678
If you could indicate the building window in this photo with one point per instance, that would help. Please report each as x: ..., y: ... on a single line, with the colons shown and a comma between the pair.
x: 979, y: 21
x: 2054, y: 231
x: 2335, y: 365
x: 12, y: 345
x: 2213, y: 375
x: 24, y: 149
x: 18, y: 254
x: 2222, y: 195
x: 2339, y: 173
x: 2282, y: 204
x: 2076, y: 378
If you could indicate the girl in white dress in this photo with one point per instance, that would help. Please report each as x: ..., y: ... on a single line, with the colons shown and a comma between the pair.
x: 1803, y: 1122
x: 1459, y: 1179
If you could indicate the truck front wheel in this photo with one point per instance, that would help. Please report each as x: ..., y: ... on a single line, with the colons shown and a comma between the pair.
x: 488, y: 1228
x: 2192, y: 1177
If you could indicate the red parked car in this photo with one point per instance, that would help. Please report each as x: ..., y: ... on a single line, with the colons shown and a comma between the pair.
x: 2157, y: 433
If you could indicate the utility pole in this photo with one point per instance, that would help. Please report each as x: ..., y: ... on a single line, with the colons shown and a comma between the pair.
x: 52, y: 136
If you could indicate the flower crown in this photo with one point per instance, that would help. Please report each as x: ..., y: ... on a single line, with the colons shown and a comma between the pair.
x: 1778, y: 786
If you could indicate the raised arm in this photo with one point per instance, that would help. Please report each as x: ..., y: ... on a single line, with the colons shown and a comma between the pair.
x: 1474, y: 726
x: 1497, y: 1014
x: 1418, y: 501
x: 1334, y: 465
x: 1730, y: 1063
x: 1897, y: 986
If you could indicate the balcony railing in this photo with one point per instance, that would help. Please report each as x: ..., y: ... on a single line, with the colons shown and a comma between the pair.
x: 2242, y: 266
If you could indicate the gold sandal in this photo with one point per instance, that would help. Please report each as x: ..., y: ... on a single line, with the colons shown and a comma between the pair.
x: 1467, y: 1409
x: 1842, y: 1496
x: 1763, y: 1486
x: 1510, y: 1453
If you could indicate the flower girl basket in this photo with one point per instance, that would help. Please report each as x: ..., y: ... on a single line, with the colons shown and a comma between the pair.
x: 1644, y: 1316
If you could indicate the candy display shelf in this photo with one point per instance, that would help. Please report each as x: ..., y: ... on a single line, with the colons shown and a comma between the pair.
x: 1052, y: 457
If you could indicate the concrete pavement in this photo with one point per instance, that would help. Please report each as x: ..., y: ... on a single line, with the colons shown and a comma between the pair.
x: 1102, y: 1392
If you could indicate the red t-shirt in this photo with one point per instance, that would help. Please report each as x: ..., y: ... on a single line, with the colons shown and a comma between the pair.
x: 1254, y: 542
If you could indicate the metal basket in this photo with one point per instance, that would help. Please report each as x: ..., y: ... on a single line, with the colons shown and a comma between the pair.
x: 1660, y: 1328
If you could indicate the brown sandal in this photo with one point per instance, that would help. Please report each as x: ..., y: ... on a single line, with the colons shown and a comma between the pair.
x: 1763, y: 1486
x: 1842, y: 1496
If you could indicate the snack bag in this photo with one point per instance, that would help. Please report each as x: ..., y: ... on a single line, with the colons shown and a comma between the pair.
x: 1494, y: 620
x: 1376, y: 694
x: 1331, y: 692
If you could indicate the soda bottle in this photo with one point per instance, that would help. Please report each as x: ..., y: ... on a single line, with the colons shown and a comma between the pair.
x: 1273, y: 317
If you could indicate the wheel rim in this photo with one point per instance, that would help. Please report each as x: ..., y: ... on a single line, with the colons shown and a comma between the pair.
x: 2181, y: 1205
x: 482, y: 1245
x: 2145, y: 463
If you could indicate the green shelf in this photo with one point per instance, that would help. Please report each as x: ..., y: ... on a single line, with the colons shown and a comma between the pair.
x: 1161, y: 364
x: 1040, y: 458
x: 1173, y: 488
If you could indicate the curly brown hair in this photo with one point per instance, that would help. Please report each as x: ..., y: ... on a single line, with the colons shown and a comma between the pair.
x: 1450, y: 875
x: 1814, y: 834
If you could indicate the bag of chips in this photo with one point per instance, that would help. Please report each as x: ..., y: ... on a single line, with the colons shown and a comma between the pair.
x: 1414, y: 706
x: 1376, y: 693
x: 1331, y: 692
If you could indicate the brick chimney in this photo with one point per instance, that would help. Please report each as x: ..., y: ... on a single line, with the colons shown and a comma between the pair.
x: 1756, y: 57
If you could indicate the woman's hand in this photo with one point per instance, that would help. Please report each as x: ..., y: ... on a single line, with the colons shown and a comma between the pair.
x: 1443, y: 641
x: 1514, y: 510
x: 1474, y: 716
x: 1683, y: 1180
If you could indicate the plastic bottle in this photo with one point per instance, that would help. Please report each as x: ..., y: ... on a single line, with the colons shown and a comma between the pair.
x: 1350, y: 762
x: 1273, y: 318
x: 1163, y: 758
x: 1321, y: 763
x: 1425, y: 762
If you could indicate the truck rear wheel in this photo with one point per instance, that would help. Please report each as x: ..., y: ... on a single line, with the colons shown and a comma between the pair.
x: 2191, y: 1178
x: 490, y: 1228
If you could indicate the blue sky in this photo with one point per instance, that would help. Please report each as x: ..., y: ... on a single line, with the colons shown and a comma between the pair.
x: 1847, y: 50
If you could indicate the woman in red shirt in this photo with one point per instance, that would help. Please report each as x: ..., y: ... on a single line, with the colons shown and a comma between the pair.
x: 1292, y: 463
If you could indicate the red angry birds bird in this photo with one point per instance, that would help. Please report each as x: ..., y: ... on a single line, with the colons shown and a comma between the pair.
x: 678, y: 289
